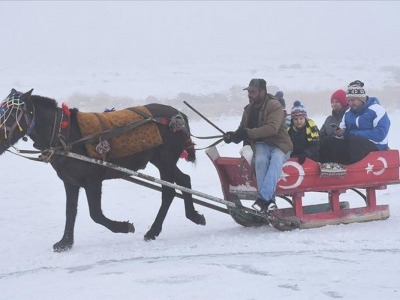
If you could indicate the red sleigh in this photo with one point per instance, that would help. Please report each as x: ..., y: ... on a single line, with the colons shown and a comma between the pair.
x: 373, y: 173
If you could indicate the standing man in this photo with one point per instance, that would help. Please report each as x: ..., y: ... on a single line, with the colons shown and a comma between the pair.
x: 263, y: 125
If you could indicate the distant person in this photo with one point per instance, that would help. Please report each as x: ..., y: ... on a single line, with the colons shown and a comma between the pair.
x: 364, y: 129
x: 339, y: 105
x: 304, y: 134
x: 263, y: 124
x: 279, y: 95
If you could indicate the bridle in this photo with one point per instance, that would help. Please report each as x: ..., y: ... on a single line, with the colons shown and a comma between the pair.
x: 12, y: 107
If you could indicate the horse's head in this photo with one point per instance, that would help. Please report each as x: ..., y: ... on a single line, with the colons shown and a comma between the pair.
x: 16, y: 117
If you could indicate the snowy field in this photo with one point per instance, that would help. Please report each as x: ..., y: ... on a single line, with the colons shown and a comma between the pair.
x: 219, y: 261
x: 137, y: 49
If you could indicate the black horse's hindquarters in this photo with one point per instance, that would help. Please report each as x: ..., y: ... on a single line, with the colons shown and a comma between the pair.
x: 77, y: 174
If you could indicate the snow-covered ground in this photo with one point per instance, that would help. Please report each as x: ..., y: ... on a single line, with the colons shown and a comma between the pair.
x: 138, y: 49
x: 219, y: 261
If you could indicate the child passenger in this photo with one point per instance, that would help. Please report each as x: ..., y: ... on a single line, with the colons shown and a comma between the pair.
x: 304, y: 134
x: 339, y: 106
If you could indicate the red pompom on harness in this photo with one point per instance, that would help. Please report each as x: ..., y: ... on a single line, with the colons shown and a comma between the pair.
x: 64, y: 123
x: 65, y: 108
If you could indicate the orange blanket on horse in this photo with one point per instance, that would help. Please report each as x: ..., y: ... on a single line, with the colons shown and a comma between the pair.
x: 141, y: 138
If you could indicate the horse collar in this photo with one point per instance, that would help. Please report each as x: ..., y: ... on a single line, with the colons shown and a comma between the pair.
x: 61, y: 128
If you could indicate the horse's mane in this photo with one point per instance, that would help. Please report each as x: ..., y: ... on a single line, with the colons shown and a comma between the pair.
x: 48, y: 102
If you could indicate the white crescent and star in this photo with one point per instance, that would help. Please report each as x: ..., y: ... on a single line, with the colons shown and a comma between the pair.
x: 370, y: 167
x: 301, y: 173
x: 284, y: 175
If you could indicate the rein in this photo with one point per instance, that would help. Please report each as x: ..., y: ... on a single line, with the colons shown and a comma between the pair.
x: 212, y: 124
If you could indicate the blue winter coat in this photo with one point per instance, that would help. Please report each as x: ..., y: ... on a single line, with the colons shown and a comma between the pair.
x: 370, y: 121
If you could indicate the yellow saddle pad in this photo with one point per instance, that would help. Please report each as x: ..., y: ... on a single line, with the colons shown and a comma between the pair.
x: 139, y: 139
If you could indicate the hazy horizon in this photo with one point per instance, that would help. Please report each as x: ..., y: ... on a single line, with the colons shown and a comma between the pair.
x: 162, y: 48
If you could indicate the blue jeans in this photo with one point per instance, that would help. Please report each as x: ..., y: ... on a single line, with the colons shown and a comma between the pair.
x: 269, y: 161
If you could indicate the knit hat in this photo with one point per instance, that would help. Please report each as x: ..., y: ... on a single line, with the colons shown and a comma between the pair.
x: 356, y: 90
x: 298, y: 110
x: 340, y: 95
x: 279, y: 94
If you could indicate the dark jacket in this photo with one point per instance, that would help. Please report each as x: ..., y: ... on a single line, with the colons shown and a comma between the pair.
x: 271, y: 127
x: 305, y: 140
x: 336, y: 118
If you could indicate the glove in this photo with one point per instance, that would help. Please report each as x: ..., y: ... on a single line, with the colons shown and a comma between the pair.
x: 228, y: 137
x: 302, y: 158
x: 239, y: 135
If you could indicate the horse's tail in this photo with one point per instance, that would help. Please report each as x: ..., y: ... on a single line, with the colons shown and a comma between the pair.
x: 191, y: 151
x: 189, y: 145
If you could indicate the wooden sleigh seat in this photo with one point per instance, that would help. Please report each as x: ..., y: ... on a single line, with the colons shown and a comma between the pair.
x: 374, y: 172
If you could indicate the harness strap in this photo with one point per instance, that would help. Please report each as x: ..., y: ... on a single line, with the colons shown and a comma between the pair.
x: 19, y: 114
x: 53, y: 134
x: 92, y: 137
x: 162, y: 121
x: 100, y: 122
x: 27, y: 151
x: 109, y: 133
x: 102, y: 140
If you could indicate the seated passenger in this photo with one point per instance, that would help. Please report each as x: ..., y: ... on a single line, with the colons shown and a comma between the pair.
x: 364, y: 129
x: 304, y: 134
x: 339, y: 105
x: 264, y: 126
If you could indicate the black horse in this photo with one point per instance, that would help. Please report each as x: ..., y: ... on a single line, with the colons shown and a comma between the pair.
x: 40, y: 118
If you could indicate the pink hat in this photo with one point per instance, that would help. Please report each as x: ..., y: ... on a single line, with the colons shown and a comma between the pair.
x: 340, y: 95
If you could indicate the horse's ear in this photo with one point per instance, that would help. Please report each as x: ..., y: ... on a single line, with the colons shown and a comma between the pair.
x: 27, y: 95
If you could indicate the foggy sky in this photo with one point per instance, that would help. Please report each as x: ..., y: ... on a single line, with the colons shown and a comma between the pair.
x: 45, y: 36
x: 196, y: 30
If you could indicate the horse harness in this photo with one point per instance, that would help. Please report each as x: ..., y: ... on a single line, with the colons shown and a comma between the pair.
x: 13, y: 105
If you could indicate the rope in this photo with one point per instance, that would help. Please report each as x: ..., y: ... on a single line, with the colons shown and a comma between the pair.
x: 212, y: 145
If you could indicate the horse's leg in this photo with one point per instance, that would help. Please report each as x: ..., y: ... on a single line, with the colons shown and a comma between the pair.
x: 184, y: 180
x: 93, y: 195
x: 66, y: 242
x: 167, y: 195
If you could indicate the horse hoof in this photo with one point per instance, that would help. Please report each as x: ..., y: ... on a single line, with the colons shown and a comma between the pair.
x: 61, y: 247
x: 202, y: 220
x: 148, y: 238
x: 197, y: 219
x: 131, y: 228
